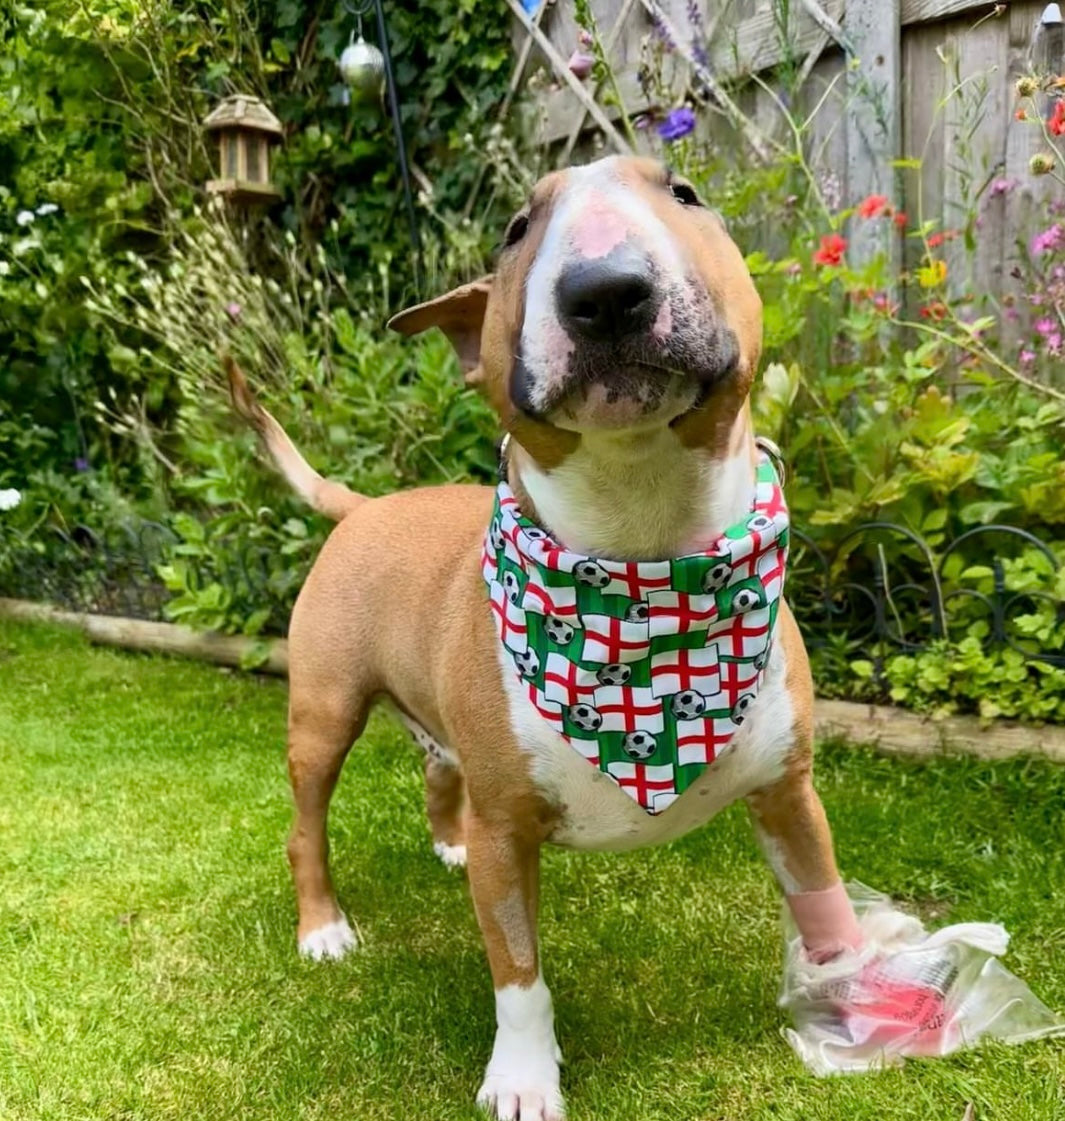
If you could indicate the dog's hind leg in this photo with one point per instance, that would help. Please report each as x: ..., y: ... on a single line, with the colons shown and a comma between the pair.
x: 323, y: 724
x: 445, y: 795
x: 445, y: 801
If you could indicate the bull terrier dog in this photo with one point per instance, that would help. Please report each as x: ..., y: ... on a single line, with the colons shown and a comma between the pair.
x: 620, y: 593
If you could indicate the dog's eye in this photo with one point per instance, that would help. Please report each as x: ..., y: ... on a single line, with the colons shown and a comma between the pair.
x: 519, y: 224
x: 685, y: 193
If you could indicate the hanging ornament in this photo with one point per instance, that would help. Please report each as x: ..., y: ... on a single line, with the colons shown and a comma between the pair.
x: 362, y: 66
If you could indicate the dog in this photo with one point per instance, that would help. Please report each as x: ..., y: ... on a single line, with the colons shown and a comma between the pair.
x: 617, y: 341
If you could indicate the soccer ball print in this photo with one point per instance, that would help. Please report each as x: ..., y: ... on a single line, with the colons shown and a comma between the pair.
x: 648, y: 669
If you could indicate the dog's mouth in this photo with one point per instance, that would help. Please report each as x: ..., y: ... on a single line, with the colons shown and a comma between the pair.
x: 628, y: 395
x: 638, y: 383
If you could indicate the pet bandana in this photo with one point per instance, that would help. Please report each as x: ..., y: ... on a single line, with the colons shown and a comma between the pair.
x: 646, y: 668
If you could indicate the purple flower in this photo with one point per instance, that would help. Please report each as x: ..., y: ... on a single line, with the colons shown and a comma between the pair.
x: 1044, y: 326
x: 81, y: 464
x: 581, y: 64
x: 661, y: 33
x: 1049, y: 240
x: 233, y: 310
x: 678, y: 123
x: 1002, y: 186
x: 695, y: 16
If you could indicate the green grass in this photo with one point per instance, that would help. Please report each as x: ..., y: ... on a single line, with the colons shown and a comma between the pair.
x: 147, y: 960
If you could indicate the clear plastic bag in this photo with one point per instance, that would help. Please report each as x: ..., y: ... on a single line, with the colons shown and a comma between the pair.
x: 906, y: 993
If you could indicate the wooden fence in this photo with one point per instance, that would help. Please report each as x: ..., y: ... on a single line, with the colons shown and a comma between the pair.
x: 896, y: 80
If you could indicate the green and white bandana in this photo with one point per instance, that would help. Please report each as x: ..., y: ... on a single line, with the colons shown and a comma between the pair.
x: 646, y: 668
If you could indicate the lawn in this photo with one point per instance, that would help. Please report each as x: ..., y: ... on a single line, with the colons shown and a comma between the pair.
x: 147, y: 960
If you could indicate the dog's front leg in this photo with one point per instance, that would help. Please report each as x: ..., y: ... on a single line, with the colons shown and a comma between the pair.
x: 522, y: 1076
x: 792, y: 829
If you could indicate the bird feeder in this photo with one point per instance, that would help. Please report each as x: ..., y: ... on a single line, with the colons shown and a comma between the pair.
x: 246, y: 130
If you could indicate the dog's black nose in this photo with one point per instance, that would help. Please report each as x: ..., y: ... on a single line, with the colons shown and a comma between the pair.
x: 608, y: 297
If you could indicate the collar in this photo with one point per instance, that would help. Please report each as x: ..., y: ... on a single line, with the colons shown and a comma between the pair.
x: 647, y: 668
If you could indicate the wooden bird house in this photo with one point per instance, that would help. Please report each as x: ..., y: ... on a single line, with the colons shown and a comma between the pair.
x: 246, y: 132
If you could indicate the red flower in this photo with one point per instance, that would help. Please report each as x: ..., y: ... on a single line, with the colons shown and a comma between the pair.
x: 937, y: 311
x: 1021, y: 115
x: 935, y: 240
x: 1056, y: 124
x: 900, y: 219
x: 831, y: 252
x: 873, y: 206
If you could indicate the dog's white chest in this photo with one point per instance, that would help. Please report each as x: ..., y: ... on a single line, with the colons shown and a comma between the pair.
x: 597, y: 814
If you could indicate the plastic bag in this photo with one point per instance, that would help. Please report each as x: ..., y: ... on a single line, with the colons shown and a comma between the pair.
x: 906, y: 993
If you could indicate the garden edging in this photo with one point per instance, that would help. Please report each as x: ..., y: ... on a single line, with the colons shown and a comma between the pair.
x: 884, y: 727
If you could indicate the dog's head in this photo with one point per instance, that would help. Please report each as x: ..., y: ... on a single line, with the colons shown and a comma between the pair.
x: 619, y: 302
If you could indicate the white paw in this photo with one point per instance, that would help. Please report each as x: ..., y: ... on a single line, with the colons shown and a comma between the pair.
x: 454, y: 856
x: 521, y: 1082
x: 522, y: 1095
x: 331, y: 941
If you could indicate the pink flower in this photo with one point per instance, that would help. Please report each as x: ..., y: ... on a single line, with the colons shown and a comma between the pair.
x: 1054, y: 343
x: 233, y: 310
x: 1027, y: 357
x: 1002, y: 186
x: 1044, y: 326
x: 1050, y: 239
x: 580, y: 64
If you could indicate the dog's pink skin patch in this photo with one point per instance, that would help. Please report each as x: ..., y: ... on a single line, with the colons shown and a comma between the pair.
x: 663, y: 324
x: 826, y: 921
x: 598, y: 228
x: 626, y: 410
x: 557, y: 346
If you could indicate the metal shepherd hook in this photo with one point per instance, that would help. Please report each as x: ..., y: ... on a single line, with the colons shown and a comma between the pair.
x: 359, y: 8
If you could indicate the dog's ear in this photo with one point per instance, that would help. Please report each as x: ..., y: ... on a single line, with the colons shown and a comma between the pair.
x: 458, y: 313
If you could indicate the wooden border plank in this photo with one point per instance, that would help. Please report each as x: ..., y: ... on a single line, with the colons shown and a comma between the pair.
x: 901, y: 732
x: 155, y: 638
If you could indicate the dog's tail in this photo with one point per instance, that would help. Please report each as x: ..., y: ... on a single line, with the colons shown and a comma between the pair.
x: 330, y: 498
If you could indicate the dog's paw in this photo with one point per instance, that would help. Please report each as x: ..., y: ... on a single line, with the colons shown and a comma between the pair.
x: 453, y: 856
x: 521, y: 1082
x: 329, y: 942
x: 522, y: 1095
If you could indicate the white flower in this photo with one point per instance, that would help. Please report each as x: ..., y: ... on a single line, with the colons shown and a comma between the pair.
x: 47, y: 208
x: 9, y: 499
x: 5, y: 268
x: 24, y: 217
